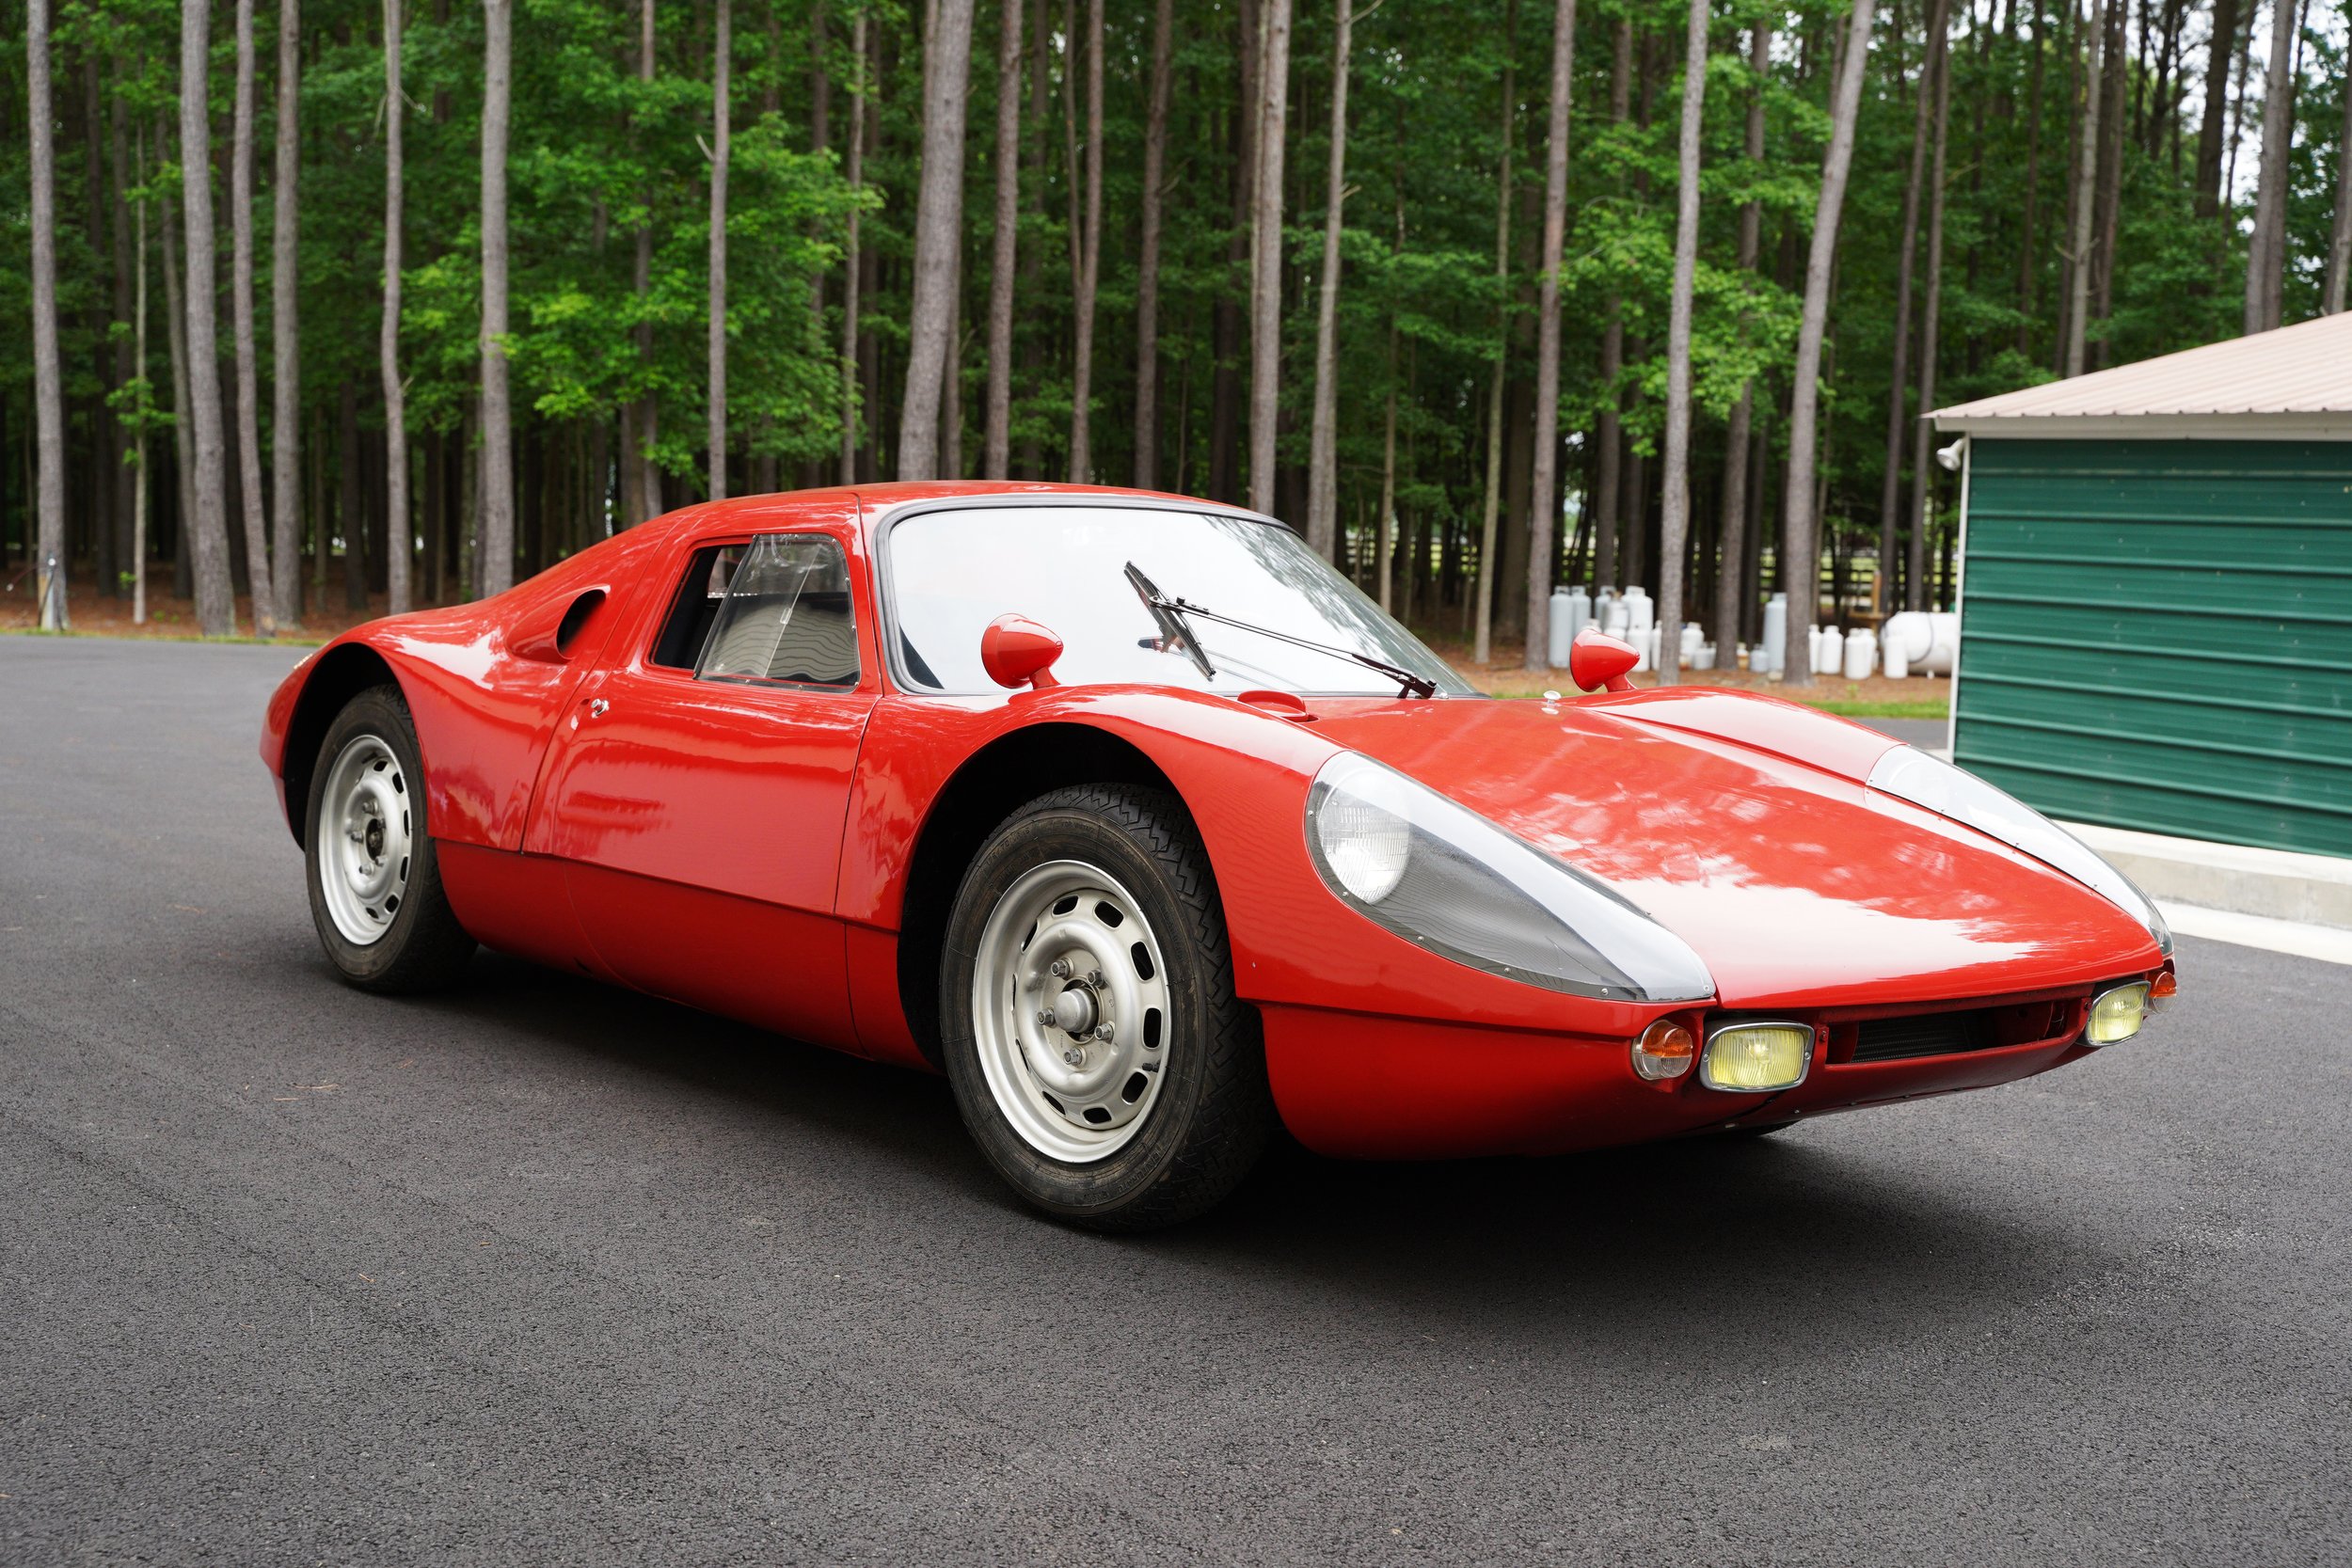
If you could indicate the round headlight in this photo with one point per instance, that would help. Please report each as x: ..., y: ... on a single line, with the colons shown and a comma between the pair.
x: 1366, y: 845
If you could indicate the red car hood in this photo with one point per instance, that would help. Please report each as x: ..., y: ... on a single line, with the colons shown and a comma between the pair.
x: 1794, y: 882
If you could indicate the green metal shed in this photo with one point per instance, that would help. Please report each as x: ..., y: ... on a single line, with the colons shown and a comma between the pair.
x: 2156, y: 592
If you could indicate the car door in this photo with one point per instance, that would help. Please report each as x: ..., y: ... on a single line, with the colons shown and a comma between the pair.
x: 698, y: 789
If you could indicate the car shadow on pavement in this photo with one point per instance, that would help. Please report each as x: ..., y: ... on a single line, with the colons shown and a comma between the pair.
x: 1618, y: 1244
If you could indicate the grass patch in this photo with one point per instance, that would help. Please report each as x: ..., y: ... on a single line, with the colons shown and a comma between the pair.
x: 1885, y: 710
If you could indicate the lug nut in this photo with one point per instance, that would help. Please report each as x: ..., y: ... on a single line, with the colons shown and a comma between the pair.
x: 1045, y: 1017
x: 1103, y: 1032
x: 1074, y: 1057
x: 1059, y: 969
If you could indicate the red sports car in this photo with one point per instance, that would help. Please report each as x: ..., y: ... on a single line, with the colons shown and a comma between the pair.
x: 1146, y: 828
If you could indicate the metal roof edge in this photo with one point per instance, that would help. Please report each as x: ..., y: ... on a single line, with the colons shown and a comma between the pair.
x: 2328, y: 426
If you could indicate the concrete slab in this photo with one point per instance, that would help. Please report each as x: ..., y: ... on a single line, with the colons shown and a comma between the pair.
x: 2275, y: 884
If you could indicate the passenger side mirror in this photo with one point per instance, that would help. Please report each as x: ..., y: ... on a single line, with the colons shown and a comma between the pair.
x: 1596, y: 660
x: 1016, y: 651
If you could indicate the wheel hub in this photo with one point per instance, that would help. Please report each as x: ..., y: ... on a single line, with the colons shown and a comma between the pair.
x: 1070, y: 1008
x: 365, y: 839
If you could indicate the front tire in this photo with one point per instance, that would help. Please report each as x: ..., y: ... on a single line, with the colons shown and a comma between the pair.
x: 1087, y: 1016
x: 374, y: 874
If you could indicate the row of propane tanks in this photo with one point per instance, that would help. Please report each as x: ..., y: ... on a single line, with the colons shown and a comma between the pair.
x: 1915, y: 642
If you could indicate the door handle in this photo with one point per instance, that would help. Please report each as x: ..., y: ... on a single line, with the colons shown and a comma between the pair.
x: 599, y: 707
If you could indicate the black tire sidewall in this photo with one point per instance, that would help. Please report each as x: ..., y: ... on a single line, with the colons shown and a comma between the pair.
x: 380, y: 712
x: 1146, y: 1183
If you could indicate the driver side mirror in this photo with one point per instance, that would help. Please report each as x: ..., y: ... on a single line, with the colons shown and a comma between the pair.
x: 1017, y: 651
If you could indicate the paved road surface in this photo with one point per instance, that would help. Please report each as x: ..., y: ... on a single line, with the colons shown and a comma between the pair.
x: 540, y: 1273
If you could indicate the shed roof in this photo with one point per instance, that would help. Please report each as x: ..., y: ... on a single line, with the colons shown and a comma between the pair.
x: 2293, y: 382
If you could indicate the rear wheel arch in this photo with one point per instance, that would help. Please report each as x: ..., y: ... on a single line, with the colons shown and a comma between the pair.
x: 342, y: 674
x: 989, y: 787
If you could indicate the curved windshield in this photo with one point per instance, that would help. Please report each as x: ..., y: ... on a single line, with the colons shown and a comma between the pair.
x: 952, y: 571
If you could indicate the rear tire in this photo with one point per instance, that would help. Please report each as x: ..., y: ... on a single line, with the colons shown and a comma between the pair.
x: 1088, y: 1017
x: 374, y: 878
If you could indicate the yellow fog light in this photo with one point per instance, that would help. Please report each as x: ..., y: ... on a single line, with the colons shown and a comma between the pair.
x: 2118, y: 1014
x: 1754, y: 1057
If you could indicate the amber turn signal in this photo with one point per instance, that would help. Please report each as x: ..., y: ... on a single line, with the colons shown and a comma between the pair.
x: 1664, y: 1049
x: 2161, y: 990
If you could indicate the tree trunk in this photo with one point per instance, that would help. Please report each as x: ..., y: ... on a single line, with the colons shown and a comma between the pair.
x: 2265, y: 258
x: 183, y: 422
x: 2110, y: 191
x: 938, y: 235
x: 241, y: 316
x: 1799, y: 514
x: 2220, y: 48
x: 285, y: 287
x: 143, y: 478
x: 2340, y: 237
x: 2027, y: 295
x: 1227, y: 327
x: 1732, y: 547
x: 1265, y: 252
x: 1897, y: 379
x: 1148, y: 263
x: 1608, y: 430
x: 722, y: 149
x: 2086, y: 190
x: 1674, y: 530
x: 398, y: 590
x: 215, y: 595
x: 1922, y: 468
x: 641, y: 485
x: 1543, y: 504
x: 49, y: 552
x: 852, y: 272
x: 1323, y: 465
x: 996, y: 439
x: 497, y: 439
x: 1090, y: 260
x: 1482, y: 642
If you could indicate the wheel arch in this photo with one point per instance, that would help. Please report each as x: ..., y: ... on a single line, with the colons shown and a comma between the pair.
x: 343, y: 673
x: 989, y: 787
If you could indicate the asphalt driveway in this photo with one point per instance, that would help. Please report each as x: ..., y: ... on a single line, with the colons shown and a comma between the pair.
x: 539, y: 1272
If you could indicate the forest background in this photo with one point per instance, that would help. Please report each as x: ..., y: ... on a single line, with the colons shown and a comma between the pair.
x: 1484, y: 296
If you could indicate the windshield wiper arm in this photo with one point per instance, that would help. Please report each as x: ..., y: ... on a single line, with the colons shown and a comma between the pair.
x: 1175, y: 614
x: 1166, y: 614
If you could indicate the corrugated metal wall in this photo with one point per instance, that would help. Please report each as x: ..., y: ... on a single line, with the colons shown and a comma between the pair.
x: 2158, y: 634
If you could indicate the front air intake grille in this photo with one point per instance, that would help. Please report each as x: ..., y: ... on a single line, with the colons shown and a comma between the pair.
x: 1895, y: 1039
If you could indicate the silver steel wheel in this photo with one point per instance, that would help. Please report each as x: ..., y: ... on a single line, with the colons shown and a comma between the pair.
x: 1070, y: 1011
x: 365, y: 839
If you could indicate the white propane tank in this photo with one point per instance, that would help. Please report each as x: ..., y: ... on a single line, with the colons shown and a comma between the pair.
x: 1559, y: 631
x: 1640, y: 606
x: 1897, y: 659
x: 1686, y: 651
x: 1776, y: 644
x: 1645, y: 641
x: 1618, y: 621
x: 1860, y: 651
x: 1580, y: 612
x: 1705, y: 657
x: 1930, y: 639
x: 1829, y: 650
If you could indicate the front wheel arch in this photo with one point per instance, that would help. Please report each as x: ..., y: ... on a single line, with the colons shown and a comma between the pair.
x: 989, y: 786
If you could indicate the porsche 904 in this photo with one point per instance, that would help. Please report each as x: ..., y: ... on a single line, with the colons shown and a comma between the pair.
x: 1142, y: 824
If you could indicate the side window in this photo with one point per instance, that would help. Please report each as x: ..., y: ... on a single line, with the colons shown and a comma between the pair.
x: 695, y: 608
x: 785, y: 617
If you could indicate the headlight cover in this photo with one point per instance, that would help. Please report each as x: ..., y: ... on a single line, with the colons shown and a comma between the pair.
x: 1911, y: 775
x: 1445, y: 879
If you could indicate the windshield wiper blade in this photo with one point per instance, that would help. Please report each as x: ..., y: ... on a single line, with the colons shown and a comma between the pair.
x: 1176, y: 613
x: 1167, y: 615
